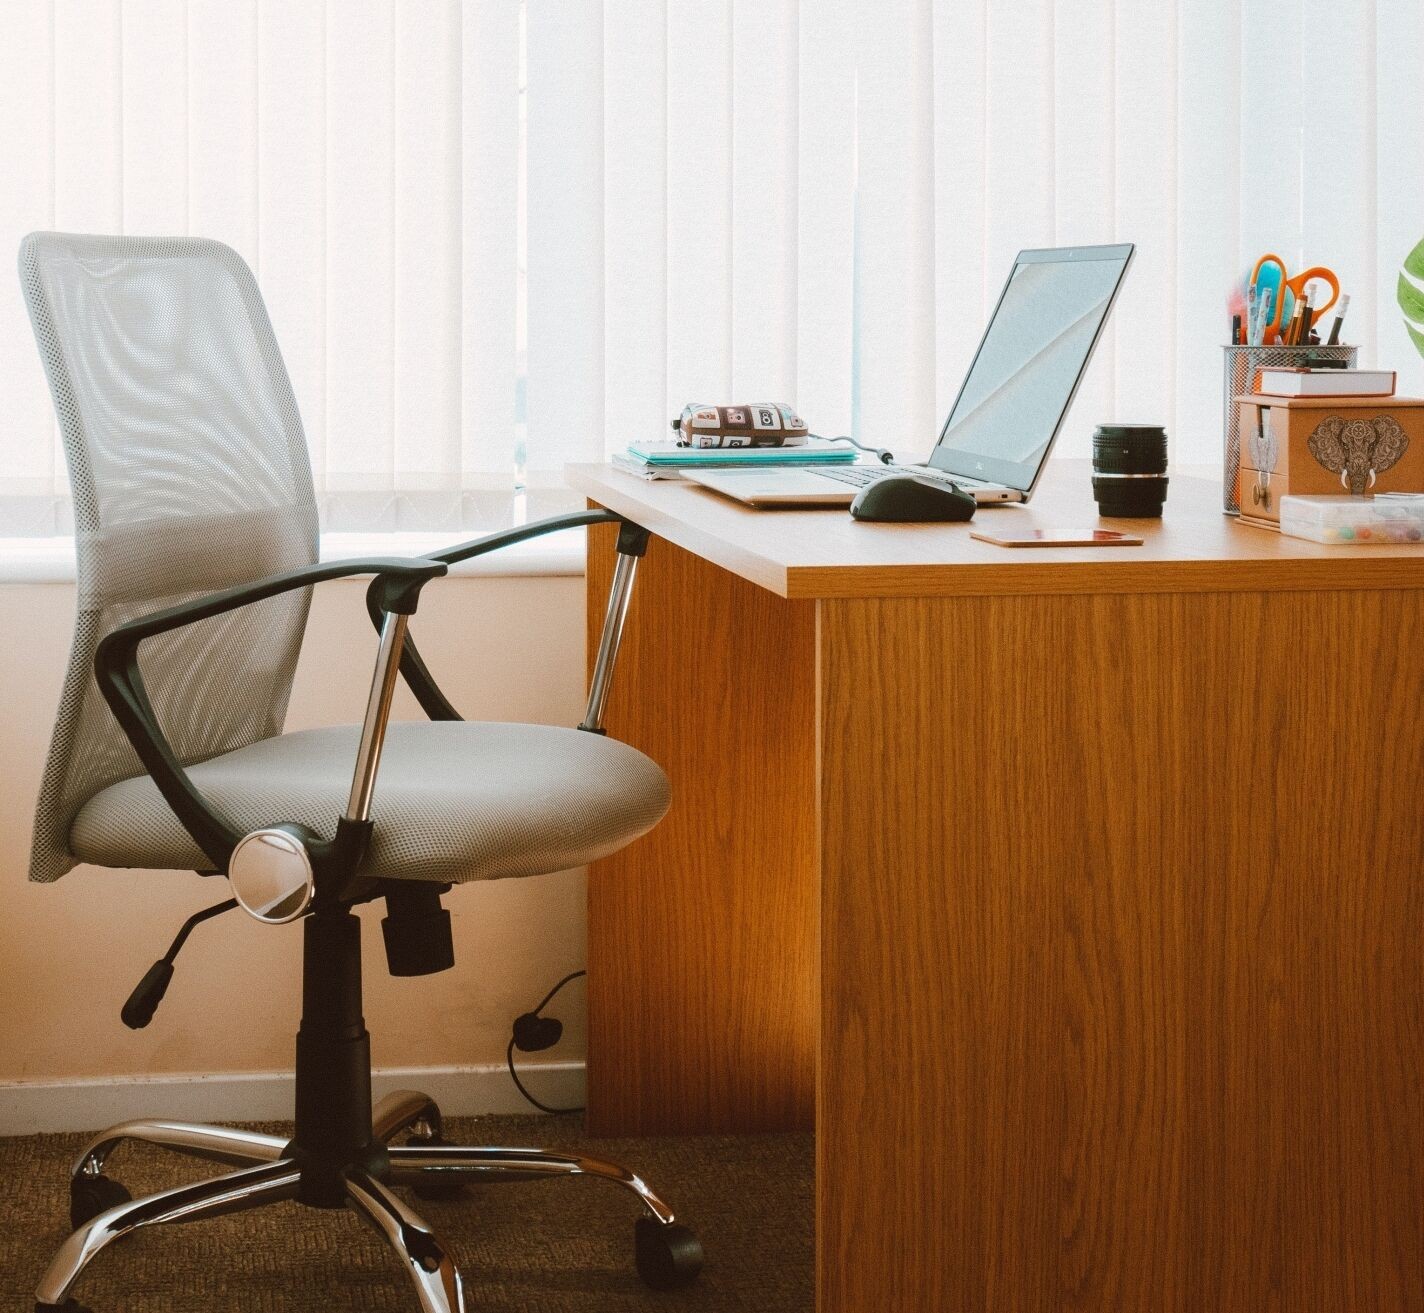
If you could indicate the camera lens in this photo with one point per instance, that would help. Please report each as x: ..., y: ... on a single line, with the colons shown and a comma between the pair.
x: 1130, y: 470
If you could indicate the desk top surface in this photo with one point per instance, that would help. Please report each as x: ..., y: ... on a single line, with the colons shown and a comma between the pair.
x: 824, y: 553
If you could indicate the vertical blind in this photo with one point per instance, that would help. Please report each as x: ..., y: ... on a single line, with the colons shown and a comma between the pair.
x: 496, y: 236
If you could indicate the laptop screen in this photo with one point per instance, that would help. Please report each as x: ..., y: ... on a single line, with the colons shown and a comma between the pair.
x: 1037, y: 345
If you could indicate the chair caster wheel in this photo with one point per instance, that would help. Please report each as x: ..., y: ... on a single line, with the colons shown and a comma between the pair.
x: 91, y: 1195
x: 668, y: 1256
x: 436, y: 1186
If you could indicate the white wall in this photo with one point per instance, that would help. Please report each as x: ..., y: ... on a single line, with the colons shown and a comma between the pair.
x: 505, y: 648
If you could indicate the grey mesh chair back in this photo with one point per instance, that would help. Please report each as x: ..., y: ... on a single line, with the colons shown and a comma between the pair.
x: 189, y: 471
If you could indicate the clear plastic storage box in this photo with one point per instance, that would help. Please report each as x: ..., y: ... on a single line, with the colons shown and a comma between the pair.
x: 1355, y: 521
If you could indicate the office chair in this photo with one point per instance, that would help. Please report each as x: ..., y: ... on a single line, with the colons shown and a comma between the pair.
x: 196, y: 536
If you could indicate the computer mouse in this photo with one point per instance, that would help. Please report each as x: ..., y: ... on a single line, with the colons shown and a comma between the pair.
x: 911, y: 498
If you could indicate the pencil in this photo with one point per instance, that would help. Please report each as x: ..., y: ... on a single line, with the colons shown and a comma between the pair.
x: 1339, y: 319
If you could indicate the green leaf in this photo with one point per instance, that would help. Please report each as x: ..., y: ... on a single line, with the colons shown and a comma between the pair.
x: 1411, y: 297
x: 1414, y: 261
x: 1411, y: 300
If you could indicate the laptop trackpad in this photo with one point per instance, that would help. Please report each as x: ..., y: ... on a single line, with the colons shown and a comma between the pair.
x: 778, y: 487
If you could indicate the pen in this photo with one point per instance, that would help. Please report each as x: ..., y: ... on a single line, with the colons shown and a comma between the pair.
x: 1235, y: 330
x: 1263, y: 312
x: 1334, y: 339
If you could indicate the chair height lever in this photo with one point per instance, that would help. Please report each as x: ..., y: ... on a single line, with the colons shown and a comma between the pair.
x: 148, y: 993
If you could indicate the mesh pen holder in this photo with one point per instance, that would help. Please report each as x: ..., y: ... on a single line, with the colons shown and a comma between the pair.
x: 1240, y: 373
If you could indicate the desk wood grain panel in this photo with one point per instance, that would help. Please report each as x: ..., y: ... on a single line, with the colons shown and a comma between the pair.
x: 702, y: 961
x: 1122, y: 989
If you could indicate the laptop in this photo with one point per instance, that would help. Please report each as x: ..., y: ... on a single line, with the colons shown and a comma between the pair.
x: 1003, y: 423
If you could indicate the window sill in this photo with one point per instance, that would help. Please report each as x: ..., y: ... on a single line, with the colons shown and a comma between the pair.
x: 51, y: 560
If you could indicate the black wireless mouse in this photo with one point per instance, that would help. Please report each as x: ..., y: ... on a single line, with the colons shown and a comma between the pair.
x: 911, y: 498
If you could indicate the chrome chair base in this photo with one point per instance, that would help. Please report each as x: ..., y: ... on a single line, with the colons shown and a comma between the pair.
x: 667, y: 1253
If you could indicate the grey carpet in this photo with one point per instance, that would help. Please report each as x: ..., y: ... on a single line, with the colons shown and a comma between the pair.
x: 559, y: 1246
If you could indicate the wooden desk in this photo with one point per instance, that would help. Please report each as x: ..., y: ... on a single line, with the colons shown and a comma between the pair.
x: 1076, y: 895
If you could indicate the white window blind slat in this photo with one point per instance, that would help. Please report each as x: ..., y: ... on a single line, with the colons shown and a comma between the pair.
x: 764, y: 201
x: 1145, y: 319
x: 87, y: 176
x: 1337, y: 152
x: 88, y: 117
x: 1208, y: 188
x: 699, y: 181
x: 155, y: 117
x: 426, y: 444
x: 360, y: 252
x: 222, y: 123
x: 1273, y: 111
x: 27, y: 451
x: 1019, y: 191
x: 291, y: 201
x: 636, y: 204
x: 894, y: 220
x: 959, y: 163
x: 1085, y: 180
x: 1398, y: 191
x: 825, y: 213
x: 489, y: 226
x: 565, y: 227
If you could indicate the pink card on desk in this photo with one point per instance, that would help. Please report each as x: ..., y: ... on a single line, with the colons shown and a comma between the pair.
x: 1049, y: 538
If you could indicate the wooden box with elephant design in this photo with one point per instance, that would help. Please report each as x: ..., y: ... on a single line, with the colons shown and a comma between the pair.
x: 1314, y: 446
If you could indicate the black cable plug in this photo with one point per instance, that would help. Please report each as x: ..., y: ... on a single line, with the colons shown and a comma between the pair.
x: 533, y: 1033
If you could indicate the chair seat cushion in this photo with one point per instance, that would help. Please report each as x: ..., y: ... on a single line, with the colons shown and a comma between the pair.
x: 454, y: 800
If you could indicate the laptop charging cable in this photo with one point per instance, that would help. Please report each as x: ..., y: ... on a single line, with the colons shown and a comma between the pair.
x: 885, y: 457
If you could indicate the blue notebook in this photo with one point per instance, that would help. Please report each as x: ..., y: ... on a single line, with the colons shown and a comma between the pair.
x: 670, y: 455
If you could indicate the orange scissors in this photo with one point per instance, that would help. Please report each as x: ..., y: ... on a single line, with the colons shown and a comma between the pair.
x: 1270, y: 275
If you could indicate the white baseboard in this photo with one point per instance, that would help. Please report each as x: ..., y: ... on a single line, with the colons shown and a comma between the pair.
x: 42, y: 1107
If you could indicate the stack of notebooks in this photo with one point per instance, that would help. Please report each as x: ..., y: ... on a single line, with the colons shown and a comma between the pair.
x: 667, y: 460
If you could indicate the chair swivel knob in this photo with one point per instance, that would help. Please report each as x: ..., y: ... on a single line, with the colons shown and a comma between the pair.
x: 270, y: 872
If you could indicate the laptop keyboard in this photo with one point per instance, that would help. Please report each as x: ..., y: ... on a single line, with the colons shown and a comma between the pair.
x: 860, y: 475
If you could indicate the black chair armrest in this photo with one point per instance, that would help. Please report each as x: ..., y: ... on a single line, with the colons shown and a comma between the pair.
x: 396, y: 586
x: 413, y: 668
x: 492, y: 542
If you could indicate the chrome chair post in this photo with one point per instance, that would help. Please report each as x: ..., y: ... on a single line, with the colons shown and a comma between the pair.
x: 615, y: 617
x: 237, y: 1191
x: 378, y: 711
x: 425, y: 1255
x: 212, y: 1143
x: 409, y: 1160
